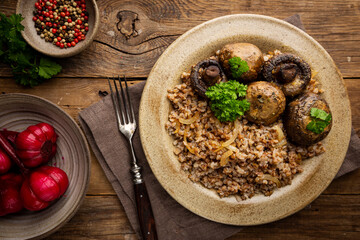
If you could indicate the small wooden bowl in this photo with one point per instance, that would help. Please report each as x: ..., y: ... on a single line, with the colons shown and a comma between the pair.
x: 26, y: 8
x: 17, y: 112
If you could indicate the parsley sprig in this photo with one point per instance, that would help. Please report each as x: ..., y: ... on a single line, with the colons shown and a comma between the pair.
x: 28, y: 66
x: 320, y: 121
x: 238, y: 67
x: 226, y: 100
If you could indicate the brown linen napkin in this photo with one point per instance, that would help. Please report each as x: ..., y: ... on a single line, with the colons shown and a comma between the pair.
x: 172, y: 220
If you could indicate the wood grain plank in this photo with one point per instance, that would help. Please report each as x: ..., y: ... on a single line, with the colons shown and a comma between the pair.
x: 78, y: 93
x: 328, y: 217
x: 133, y: 47
x: 75, y: 94
x: 98, y: 218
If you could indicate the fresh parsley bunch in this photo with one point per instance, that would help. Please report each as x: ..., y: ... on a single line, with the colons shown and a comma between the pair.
x: 28, y: 66
x: 320, y: 121
x: 226, y: 100
x: 238, y: 67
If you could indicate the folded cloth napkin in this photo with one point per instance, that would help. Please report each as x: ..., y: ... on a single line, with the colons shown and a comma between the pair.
x: 172, y: 220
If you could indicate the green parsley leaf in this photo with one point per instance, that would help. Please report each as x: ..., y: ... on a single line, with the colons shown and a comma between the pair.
x: 48, y: 68
x: 29, y: 67
x: 225, y: 100
x: 238, y: 67
x: 318, y: 113
x: 15, y: 20
x: 320, y: 121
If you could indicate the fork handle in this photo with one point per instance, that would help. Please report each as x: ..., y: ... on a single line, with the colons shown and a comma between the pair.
x: 145, y: 214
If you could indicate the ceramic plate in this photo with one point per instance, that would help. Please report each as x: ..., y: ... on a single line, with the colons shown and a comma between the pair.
x: 17, y: 112
x: 201, y: 42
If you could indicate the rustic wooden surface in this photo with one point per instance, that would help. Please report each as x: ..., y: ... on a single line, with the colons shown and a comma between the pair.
x: 131, y: 46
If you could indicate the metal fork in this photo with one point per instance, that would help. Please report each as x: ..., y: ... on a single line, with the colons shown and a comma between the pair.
x: 127, y: 125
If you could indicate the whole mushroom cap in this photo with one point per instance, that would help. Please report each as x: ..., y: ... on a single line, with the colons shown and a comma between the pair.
x: 246, y: 51
x: 297, y: 117
x: 289, y: 71
x: 204, y: 74
x: 267, y: 102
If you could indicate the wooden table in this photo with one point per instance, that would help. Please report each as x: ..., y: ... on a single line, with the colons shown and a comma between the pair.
x: 132, y: 46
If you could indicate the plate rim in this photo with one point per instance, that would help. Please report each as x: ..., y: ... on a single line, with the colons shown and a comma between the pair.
x: 173, y: 46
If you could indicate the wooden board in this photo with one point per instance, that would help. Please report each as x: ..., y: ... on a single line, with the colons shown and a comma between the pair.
x: 320, y: 220
x: 75, y: 94
x: 132, y: 46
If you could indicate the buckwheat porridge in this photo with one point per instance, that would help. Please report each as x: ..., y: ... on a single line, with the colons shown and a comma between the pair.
x: 261, y: 146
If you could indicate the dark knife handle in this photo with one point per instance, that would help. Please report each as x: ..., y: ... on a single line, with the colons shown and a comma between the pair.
x: 145, y: 214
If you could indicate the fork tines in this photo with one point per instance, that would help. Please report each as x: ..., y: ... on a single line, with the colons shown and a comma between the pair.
x: 122, y: 102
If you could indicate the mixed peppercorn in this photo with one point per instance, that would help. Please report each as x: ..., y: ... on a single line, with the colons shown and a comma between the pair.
x: 61, y: 22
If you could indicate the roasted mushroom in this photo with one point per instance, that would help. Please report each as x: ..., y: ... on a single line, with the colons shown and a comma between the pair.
x: 205, y: 74
x: 297, y: 117
x: 289, y: 71
x: 267, y: 102
x: 246, y: 51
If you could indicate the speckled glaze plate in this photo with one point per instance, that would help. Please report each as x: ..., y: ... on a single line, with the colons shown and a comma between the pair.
x: 202, y: 41
x: 17, y: 112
